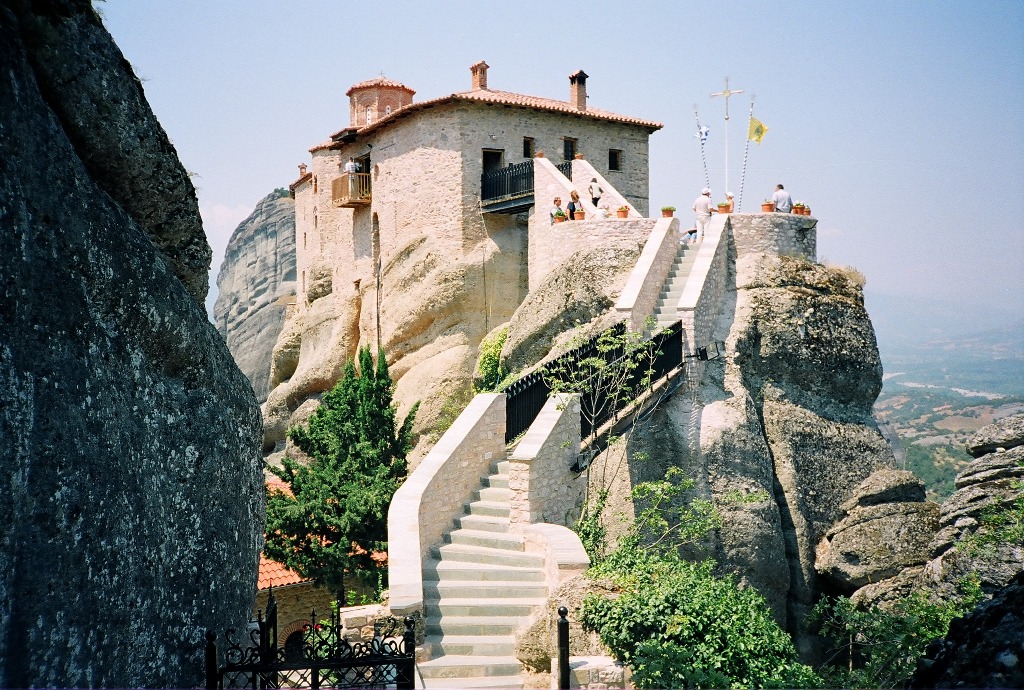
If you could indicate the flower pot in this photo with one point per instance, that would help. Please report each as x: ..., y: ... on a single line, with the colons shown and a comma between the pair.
x: 578, y: 156
x: 666, y: 214
x: 807, y: 210
x: 622, y: 214
x: 579, y: 215
x: 725, y: 209
x: 767, y: 207
x: 559, y: 219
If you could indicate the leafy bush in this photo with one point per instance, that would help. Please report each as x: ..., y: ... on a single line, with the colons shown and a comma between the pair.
x: 488, y: 367
x: 879, y: 647
x: 678, y: 625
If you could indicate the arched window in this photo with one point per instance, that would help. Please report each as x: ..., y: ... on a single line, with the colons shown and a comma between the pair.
x: 293, y: 647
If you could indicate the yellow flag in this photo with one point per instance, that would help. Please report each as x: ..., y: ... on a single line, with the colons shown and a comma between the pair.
x: 757, y: 130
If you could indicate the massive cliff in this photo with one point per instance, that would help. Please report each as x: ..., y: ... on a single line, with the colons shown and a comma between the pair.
x: 131, y: 499
x: 255, y: 284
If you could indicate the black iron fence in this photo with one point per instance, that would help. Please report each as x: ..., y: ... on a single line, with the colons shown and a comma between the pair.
x: 508, y: 182
x: 565, y: 168
x: 325, y: 658
x: 606, y: 371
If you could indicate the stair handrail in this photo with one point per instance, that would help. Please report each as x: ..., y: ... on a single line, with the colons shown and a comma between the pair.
x: 640, y: 294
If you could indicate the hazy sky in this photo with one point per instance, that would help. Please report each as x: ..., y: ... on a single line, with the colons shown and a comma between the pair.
x: 900, y: 123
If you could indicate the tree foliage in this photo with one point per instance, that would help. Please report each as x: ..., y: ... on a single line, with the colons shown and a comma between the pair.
x: 334, y: 516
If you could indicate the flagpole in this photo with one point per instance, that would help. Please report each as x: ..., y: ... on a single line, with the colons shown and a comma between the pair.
x: 700, y: 138
x: 726, y: 92
x: 746, y: 150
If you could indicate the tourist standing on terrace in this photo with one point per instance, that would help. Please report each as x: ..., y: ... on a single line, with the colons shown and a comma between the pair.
x: 783, y: 201
x: 703, y: 210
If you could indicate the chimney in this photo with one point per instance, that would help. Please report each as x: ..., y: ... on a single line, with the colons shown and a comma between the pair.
x: 479, y: 71
x: 302, y: 169
x: 578, y: 90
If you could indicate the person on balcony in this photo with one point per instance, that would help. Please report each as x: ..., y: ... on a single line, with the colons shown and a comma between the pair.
x: 351, y: 168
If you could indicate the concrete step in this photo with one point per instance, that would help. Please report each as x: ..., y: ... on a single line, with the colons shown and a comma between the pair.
x: 501, y: 467
x: 495, y: 494
x: 463, y: 553
x: 474, y: 645
x: 495, y: 682
x: 490, y: 540
x: 469, y: 666
x: 484, y: 607
x: 506, y: 589
x: 498, y: 481
x: 455, y: 571
x: 483, y: 523
x: 492, y: 508
x: 473, y: 625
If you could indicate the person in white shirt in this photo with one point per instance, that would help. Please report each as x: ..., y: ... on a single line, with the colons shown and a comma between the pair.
x: 351, y: 168
x: 595, y: 191
x: 783, y: 201
x: 703, y: 209
x: 555, y: 208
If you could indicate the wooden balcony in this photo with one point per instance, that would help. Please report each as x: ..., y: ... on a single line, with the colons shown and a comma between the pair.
x: 351, y: 190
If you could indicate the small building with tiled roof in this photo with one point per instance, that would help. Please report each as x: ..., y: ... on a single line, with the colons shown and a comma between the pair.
x: 458, y: 171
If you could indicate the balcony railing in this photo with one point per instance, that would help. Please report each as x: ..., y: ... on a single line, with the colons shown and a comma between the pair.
x: 507, y: 183
x: 351, y: 190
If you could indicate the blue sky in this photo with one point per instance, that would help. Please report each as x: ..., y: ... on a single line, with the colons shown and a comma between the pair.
x: 900, y: 123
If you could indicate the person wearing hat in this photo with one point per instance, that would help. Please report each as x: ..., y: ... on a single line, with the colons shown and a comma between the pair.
x: 729, y: 200
x: 703, y: 209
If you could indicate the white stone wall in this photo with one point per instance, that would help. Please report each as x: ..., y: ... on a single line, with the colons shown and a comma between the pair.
x: 642, y: 290
x: 701, y: 301
x: 544, y: 489
x: 444, y: 481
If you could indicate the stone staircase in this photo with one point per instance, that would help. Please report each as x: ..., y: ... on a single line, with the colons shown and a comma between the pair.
x: 479, y: 587
x: 665, y: 308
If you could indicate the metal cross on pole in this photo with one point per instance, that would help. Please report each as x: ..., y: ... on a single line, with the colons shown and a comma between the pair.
x: 726, y: 92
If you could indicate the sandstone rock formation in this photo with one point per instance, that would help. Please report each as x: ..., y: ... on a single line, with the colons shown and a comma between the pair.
x: 255, y: 284
x: 131, y: 505
x: 429, y: 316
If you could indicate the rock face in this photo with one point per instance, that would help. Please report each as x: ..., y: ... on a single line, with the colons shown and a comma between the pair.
x: 255, y: 284
x: 984, y: 649
x: 131, y: 503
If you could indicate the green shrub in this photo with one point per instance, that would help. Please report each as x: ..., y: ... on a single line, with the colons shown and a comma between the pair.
x: 488, y: 367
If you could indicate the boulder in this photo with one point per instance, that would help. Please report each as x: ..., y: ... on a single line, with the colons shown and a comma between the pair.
x: 1006, y: 433
x: 886, y: 485
x: 131, y: 505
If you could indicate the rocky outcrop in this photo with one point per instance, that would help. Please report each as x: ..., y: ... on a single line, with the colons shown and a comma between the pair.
x: 131, y: 500
x: 92, y: 90
x: 255, y: 284
x: 1006, y: 434
x: 984, y: 649
x: 786, y: 433
x: 887, y: 528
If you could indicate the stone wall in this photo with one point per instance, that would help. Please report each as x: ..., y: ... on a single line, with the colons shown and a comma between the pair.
x: 544, y: 489
x: 701, y: 303
x: 422, y: 508
x: 641, y: 292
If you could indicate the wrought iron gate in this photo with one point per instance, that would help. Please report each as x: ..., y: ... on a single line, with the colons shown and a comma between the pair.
x: 326, y: 659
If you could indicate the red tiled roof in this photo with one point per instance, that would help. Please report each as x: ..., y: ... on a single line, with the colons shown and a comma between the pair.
x: 498, y: 98
x: 274, y: 574
x: 299, y: 181
x: 378, y: 81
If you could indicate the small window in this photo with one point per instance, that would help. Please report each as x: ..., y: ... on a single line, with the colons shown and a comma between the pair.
x: 387, y: 110
x: 569, y: 148
x: 614, y: 159
x: 303, y: 240
x: 369, y: 115
x: 315, y: 185
x: 528, y: 149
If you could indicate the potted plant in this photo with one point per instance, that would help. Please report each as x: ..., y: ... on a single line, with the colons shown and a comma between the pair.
x: 799, y: 208
x: 767, y: 206
x: 724, y: 207
x: 560, y: 216
x: 622, y: 212
x: 579, y: 215
x: 667, y: 211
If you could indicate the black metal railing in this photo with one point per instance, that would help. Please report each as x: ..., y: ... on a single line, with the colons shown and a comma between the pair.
x: 607, y: 377
x: 325, y: 659
x: 508, y: 182
x: 565, y: 168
